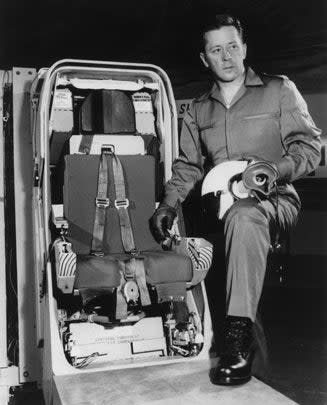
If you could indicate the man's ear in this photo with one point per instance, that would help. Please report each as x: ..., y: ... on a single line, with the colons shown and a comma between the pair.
x: 204, y: 60
x: 244, y: 50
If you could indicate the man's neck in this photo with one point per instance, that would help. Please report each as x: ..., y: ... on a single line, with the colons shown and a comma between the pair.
x: 225, y: 86
x: 229, y: 89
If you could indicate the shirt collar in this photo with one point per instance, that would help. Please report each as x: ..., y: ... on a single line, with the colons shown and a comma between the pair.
x: 251, y: 80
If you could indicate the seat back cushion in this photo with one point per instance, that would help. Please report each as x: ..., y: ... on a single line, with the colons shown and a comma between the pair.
x: 80, y: 191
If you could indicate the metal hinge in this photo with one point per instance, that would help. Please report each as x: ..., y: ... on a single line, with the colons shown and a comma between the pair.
x: 37, y: 173
x: 6, y: 117
x: 35, y: 102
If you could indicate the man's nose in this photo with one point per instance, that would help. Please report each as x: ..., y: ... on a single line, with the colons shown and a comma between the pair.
x: 226, y: 54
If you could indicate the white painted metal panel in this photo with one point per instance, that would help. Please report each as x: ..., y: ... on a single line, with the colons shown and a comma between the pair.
x: 3, y: 293
x: 29, y: 366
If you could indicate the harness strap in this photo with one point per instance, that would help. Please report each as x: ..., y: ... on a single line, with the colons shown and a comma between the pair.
x: 132, y: 269
x: 86, y: 143
x: 136, y: 266
x: 121, y: 303
x: 102, y: 202
x: 122, y: 204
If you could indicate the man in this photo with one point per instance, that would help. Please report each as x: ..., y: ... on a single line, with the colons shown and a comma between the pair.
x: 243, y: 115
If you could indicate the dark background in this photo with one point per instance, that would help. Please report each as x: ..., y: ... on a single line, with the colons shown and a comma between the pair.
x: 284, y: 36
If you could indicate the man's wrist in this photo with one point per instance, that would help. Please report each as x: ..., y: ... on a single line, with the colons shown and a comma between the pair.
x: 164, y: 205
x: 171, y: 199
x: 284, y: 168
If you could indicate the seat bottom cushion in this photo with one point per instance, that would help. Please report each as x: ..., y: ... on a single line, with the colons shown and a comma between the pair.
x: 104, y: 272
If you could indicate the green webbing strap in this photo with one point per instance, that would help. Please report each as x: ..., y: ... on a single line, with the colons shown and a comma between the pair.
x: 102, y: 202
x: 121, y: 303
x: 86, y: 143
x: 135, y: 266
x: 132, y: 269
x: 122, y: 204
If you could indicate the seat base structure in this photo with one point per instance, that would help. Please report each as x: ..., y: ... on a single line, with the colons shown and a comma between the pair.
x: 137, y: 345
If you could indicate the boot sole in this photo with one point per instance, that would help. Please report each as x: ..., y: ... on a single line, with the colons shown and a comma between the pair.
x: 231, y: 381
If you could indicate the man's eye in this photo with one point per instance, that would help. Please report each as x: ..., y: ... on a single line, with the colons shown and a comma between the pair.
x: 234, y: 46
x: 217, y: 50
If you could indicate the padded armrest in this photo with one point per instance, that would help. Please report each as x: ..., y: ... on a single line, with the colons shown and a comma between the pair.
x: 65, y: 261
x: 58, y: 218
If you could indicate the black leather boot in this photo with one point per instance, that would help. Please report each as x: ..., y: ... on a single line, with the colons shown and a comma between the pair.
x: 235, y: 362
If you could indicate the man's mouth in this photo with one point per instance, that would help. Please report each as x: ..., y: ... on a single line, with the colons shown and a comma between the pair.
x: 228, y: 67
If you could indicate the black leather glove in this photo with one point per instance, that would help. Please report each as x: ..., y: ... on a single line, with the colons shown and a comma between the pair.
x: 161, y: 221
x: 260, y: 176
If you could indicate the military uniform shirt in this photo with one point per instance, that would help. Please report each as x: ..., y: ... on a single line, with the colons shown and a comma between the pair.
x: 267, y: 118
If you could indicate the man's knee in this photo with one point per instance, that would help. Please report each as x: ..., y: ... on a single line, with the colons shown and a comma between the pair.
x: 246, y: 211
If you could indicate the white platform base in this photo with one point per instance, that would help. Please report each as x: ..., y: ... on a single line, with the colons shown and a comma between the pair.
x: 171, y: 384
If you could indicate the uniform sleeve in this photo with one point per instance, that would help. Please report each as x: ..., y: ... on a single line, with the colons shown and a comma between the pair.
x: 300, y: 136
x: 187, y: 169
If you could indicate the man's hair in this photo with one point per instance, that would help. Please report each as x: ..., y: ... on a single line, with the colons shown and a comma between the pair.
x: 219, y: 21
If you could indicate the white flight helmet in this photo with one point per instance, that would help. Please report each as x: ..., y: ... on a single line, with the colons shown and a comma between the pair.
x: 225, y: 181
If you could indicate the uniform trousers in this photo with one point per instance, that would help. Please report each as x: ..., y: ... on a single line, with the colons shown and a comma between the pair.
x: 250, y: 227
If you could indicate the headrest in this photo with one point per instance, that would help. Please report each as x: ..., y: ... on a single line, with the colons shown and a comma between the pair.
x: 108, y: 112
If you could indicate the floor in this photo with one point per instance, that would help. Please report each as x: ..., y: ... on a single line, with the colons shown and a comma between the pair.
x: 166, y: 384
x: 296, y: 332
x: 296, y: 329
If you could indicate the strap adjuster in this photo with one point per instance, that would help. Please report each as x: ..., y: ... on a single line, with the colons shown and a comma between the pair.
x: 102, y: 202
x: 122, y: 203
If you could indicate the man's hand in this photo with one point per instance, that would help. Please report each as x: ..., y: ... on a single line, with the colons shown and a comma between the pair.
x: 161, y: 221
x: 260, y: 176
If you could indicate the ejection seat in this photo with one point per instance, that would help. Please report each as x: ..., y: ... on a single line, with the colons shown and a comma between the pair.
x: 106, y: 254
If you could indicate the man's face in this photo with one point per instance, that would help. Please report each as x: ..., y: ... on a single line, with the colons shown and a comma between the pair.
x: 224, y: 53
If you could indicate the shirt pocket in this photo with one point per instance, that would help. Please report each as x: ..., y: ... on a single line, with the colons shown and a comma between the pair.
x: 260, y: 134
x: 262, y: 116
x: 260, y: 125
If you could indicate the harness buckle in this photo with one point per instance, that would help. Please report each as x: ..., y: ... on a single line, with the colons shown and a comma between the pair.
x: 97, y: 253
x: 134, y: 252
x: 122, y: 203
x: 102, y: 202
